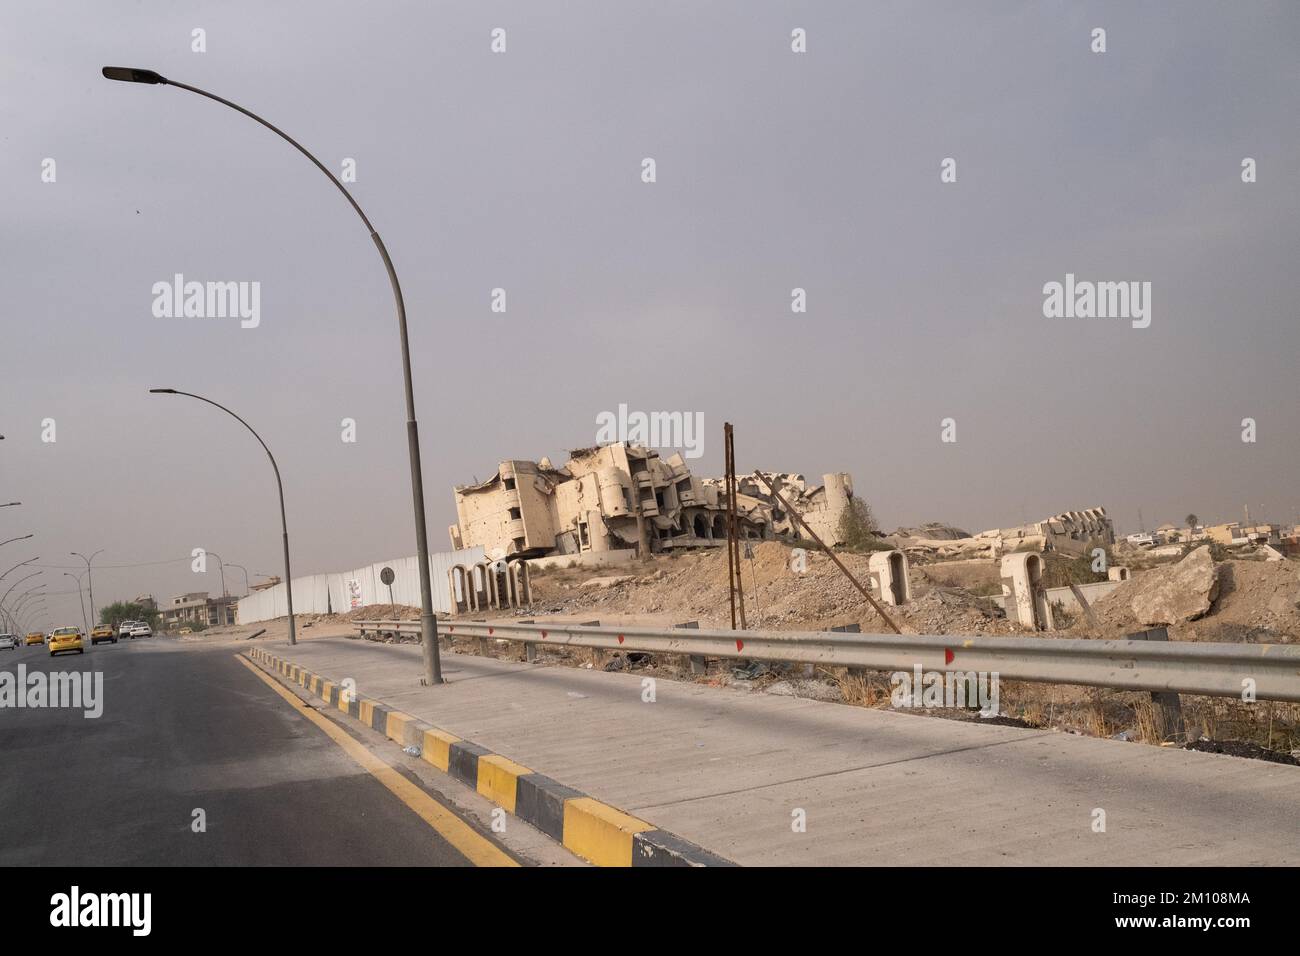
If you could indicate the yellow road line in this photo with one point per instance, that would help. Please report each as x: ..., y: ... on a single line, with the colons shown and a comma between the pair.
x: 476, y: 848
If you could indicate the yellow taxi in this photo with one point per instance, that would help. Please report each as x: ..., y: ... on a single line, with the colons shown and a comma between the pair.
x: 35, y: 637
x: 103, y: 632
x: 66, y: 639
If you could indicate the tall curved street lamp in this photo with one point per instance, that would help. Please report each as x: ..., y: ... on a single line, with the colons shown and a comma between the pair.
x: 19, y: 538
x: 90, y: 578
x: 428, y: 623
x: 284, y: 522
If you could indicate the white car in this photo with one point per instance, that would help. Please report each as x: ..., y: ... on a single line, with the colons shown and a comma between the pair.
x: 8, y: 642
x: 139, y: 629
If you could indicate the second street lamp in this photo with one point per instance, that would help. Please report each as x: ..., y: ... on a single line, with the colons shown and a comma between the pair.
x: 90, y: 579
x: 80, y: 598
x: 284, y: 522
x: 428, y: 623
x: 245, y: 570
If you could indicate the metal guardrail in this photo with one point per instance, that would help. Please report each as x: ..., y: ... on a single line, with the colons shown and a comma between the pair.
x: 1218, y: 670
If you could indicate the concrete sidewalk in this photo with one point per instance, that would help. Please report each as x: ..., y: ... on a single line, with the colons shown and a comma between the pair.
x: 729, y: 770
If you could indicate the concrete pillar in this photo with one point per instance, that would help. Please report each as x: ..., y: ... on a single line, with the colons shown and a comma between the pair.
x: 890, y: 574
x: 1022, y: 586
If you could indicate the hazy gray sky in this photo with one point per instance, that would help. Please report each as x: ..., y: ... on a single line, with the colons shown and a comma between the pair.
x: 522, y: 170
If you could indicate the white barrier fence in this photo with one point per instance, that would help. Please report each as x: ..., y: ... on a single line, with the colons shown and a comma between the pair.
x: 348, y: 590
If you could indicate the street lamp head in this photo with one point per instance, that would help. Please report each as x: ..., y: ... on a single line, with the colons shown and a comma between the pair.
x: 162, y: 391
x: 128, y: 74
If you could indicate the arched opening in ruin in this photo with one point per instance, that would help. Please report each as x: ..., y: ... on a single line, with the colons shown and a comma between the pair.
x: 1037, y: 593
x: 897, y: 577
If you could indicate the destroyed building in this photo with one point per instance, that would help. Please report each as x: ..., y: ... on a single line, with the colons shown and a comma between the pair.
x: 1071, y: 532
x: 625, y: 497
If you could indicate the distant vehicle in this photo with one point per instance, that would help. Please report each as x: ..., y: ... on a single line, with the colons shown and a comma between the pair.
x: 185, y: 630
x: 34, y: 637
x: 1141, y: 539
x: 8, y: 642
x: 66, y: 639
x: 102, y: 632
x: 136, y: 629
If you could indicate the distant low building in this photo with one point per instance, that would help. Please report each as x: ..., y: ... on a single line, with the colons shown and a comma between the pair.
x: 197, y: 607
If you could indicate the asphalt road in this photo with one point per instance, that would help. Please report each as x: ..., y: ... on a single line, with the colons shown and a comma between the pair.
x: 186, y: 727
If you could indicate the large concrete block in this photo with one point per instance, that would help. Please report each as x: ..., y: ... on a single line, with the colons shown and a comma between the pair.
x: 1026, y: 597
x: 890, y: 575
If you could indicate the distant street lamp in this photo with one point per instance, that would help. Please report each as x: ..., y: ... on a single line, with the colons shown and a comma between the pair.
x: 16, y: 583
x: 91, y: 578
x: 284, y: 522
x: 19, y: 565
x: 80, y: 600
x: 223, y: 571
x: 245, y: 570
x: 22, y: 538
x: 25, y: 597
x: 428, y: 623
x: 10, y: 504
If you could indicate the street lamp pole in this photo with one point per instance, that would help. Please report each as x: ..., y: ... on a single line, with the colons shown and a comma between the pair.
x: 90, y: 580
x: 19, y: 565
x: 428, y: 623
x: 81, y: 600
x: 245, y: 570
x: 21, y: 538
x: 223, y: 571
x: 284, y: 522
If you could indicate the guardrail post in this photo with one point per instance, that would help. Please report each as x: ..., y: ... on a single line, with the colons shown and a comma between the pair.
x: 698, y: 664
x: 530, y: 648
x: 1169, y: 706
x: 597, y: 655
x: 811, y: 669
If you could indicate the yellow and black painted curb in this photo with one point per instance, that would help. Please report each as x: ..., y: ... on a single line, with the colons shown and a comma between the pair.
x: 595, y: 831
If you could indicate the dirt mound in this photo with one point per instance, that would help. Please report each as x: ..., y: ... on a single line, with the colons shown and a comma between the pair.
x: 694, y: 587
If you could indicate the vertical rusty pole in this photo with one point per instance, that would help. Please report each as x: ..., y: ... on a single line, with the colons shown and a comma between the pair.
x: 733, y: 530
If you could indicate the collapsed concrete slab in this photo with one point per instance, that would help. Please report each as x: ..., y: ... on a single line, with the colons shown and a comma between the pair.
x: 1070, y: 532
x: 1179, y: 593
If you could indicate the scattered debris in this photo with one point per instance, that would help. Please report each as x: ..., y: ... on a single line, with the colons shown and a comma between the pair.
x: 1241, y: 748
